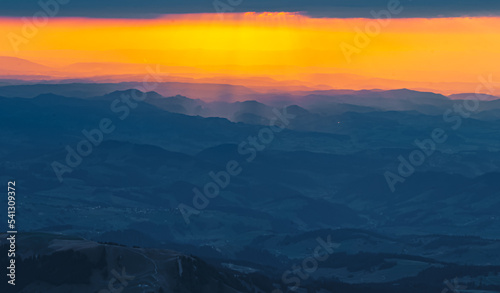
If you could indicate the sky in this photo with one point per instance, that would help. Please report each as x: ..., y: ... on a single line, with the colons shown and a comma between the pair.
x: 442, y: 46
x: 313, y: 8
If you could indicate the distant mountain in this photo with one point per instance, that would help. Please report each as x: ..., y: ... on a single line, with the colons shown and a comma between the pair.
x: 360, y: 82
x: 13, y: 65
x: 481, y: 97
x: 206, y: 92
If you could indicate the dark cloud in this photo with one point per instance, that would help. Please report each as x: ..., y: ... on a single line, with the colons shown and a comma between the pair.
x: 315, y: 8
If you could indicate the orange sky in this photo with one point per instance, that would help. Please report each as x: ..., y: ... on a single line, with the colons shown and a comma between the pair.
x: 282, y: 46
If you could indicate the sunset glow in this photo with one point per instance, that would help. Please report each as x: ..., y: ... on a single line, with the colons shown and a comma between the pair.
x: 281, y: 46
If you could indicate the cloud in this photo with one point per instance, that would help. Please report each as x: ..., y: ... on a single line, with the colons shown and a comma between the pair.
x: 314, y: 8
